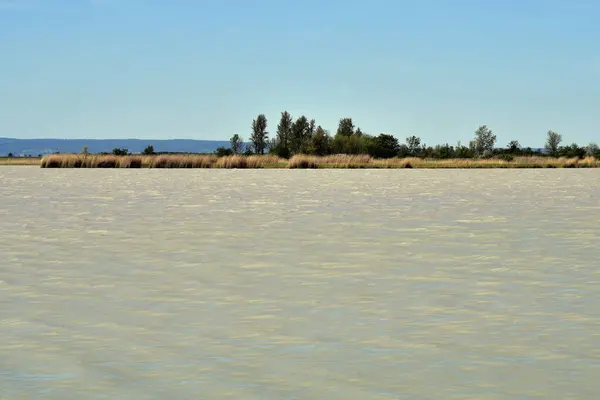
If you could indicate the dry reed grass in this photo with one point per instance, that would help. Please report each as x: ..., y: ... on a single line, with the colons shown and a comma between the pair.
x: 363, y: 161
x: 20, y: 160
x: 331, y: 161
x: 157, y: 161
x: 300, y: 161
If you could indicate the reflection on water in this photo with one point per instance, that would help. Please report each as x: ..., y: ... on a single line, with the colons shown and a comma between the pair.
x: 281, y: 284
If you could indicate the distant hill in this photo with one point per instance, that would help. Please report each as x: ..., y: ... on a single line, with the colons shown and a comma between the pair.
x: 34, y: 147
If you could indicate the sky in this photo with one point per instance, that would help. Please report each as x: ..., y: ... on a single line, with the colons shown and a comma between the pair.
x: 157, y: 69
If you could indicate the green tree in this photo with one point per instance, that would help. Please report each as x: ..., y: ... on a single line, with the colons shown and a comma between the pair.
x: 248, y: 149
x: 345, y: 127
x: 571, y: 151
x: 311, y: 128
x: 281, y: 144
x: 513, y: 147
x: 413, y: 143
x: 553, y: 140
x: 443, y: 151
x: 10, y: 155
x: 259, y: 135
x: 237, y: 144
x: 321, y: 142
x: 592, y: 150
x: 223, y: 151
x: 300, y: 133
x: 484, y: 141
x: 149, y: 150
x: 463, y: 151
x: 120, y: 152
x: 384, y: 146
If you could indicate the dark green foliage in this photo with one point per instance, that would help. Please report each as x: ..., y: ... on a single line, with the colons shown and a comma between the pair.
x: 321, y: 142
x: 249, y: 150
x: 513, y: 147
x: 120, y: 152
x: 303, y: 136
x: 353, y: 144
x: 506, y: 157
x: 300, y: 134
x: 346, y: 128
x: 571, y: 151
x: 259, y: 134
x: 223, y: 151
x: 148, y: 151
x: 483, y: 144
x: 237, y: 144
x: 553, y: 140
x: 413, y: 144
x: 383, y: 146
x: 10, y: 155
x: 280, y: 145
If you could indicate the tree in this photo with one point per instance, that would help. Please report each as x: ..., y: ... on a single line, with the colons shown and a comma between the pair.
x: 553, y: 140
x: 120, y: 152
x: 321, y: 141
x: 237, y: 144
x: 223, y: 151
x: 149, y: 150
x: 345, y: 127
x: 281, y: 144
x: 592, y: 150
x: 248, y: 150
x: 300, y: 132
x: 484, y: 141
x: 513, y: 147
x: 384, y: 146
x: 571, y: 151
x: 10, y: 155
x: 312, y: 128
x: 413, y: 143
x: 84, y: 151
x: 259, y: 134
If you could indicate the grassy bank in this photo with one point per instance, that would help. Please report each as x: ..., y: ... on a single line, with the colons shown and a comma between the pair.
x: 20, y: 160
x: 300, y: 161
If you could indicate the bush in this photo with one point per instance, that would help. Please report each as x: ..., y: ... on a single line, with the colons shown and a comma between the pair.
x: 223, y: 152
x: 120, y: 152
x: 506, y: 157
x: 148, y: 151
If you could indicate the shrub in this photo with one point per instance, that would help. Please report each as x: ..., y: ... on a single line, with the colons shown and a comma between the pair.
x: 223, y: 152
x: 506, y: 157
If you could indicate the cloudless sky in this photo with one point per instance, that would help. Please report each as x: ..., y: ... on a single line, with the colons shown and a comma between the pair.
x: 204, y: 69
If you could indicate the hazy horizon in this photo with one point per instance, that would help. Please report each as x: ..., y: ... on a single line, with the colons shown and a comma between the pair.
x: 436, y: 69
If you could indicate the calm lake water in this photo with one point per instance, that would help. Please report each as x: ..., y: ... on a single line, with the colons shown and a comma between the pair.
x: 281, y: 284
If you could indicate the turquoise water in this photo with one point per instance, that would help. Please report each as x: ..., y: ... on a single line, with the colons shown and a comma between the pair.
x: 279, y: 284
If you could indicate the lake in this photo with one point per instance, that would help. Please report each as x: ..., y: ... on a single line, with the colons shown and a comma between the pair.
x: 299, y: 284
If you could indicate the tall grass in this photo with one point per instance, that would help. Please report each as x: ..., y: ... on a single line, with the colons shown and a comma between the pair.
x: 19, y: 160
x: 301, y: 161
x: 157, y: 161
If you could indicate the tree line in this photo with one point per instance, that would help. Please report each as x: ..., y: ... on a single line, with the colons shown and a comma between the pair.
x: 304, y: 136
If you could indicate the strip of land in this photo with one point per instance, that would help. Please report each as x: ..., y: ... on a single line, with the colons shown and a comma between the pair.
x: 20, y: 160
x: 297, y: 161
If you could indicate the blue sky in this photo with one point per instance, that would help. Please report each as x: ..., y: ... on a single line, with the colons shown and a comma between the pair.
x: 205, y: 69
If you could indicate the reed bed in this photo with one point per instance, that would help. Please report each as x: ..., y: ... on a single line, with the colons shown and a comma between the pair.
x: 332, y: 161
x: 159, y: 161
x: 20, y: 160
x: 299, y: 161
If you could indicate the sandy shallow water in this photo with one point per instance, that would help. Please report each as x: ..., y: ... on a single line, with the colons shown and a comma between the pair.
x: 283, y: 284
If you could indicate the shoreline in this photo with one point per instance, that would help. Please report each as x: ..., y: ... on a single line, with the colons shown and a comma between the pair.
x: 296, y: 162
